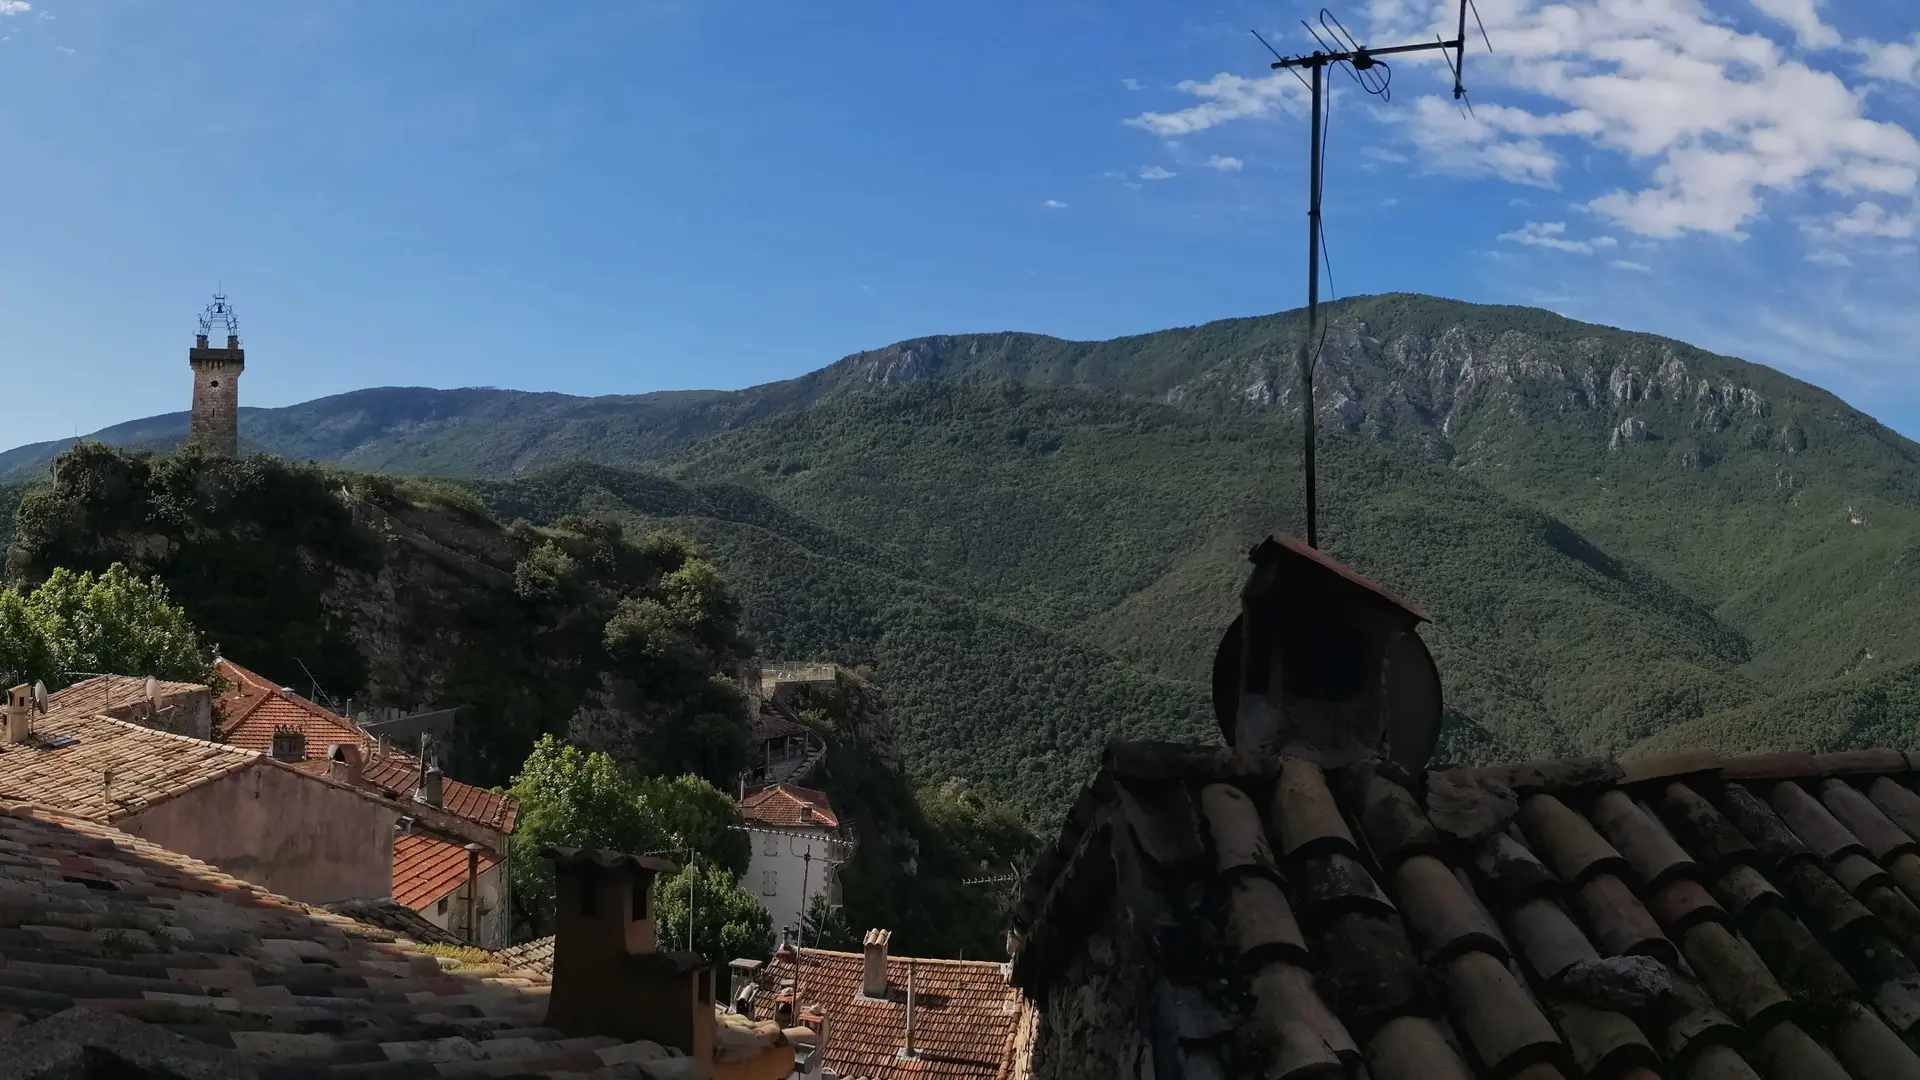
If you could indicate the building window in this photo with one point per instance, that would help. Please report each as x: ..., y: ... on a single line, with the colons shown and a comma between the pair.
x: 441, y: 908
x: 771, y: 846
x: 767, y: 882
x: 589, y: 890
x: 640, y: 895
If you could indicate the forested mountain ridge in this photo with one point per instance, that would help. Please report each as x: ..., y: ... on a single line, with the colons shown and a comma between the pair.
x: 1625, y: 541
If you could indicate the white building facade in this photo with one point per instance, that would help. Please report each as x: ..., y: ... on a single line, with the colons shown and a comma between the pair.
x: 798, y: 849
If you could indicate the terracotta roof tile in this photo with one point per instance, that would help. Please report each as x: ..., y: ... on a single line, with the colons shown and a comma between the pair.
x: 105, y: 769
x: 398, y: 775
x: 534, y: 956
x: 1776, y: 897
x: 965, y: 1015
x: 254, y: 708
x: 788, y: 804
x: 93, y: 916
x: 108, y: 693
x: 427, y: 866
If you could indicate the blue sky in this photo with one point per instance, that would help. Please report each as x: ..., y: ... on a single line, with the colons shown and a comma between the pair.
x: 601, y: 197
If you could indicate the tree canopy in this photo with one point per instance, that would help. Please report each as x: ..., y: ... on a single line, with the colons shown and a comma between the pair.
x: 116, y: 622
x: 578, y: 798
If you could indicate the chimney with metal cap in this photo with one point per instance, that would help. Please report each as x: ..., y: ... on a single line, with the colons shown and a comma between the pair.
x: 874, y: 984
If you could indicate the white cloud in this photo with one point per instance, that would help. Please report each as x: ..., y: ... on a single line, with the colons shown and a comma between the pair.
x: 1054, y: 204
x: 1628, y: 264
x: 1225, y: 97
x: 1803, y: 16
x: 1225, y: 164
x: 1711, y: 120
x: 1828, y: 257
x: 1155, y: 172
x: 15, y: 7
x: 1553, y: 234
x: 1894, y: 60
x: 63, y: 50
x: 1389, y: 201
x: 1867, y: 219
x: 1132, y: 84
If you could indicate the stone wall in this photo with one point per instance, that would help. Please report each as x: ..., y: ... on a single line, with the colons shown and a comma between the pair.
x: 279, y: 828
x: 215, y: 422
x: 1092, y: 1019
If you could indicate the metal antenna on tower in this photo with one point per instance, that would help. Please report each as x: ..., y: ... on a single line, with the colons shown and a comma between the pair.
x: 1373, y: 74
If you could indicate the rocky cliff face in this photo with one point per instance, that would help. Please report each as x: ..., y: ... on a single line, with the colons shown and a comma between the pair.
x: 407, y: 594
x: 1457, y: 384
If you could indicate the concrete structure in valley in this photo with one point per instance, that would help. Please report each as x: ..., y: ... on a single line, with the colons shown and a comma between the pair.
x: 214, y: 425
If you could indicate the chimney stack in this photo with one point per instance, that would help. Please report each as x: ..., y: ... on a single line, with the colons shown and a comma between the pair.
x: 429, y: 790
x: 874, y: 985
x: 609, y: 976
x: 19, y: 714
x: 908, y: 1051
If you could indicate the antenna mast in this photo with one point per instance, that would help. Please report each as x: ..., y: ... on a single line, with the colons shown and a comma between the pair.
x: 1374, y: 76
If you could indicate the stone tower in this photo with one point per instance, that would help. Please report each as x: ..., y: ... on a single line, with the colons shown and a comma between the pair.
x: 215, y: 424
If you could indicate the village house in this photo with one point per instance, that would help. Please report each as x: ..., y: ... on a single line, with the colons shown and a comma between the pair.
x: 125, y: 959
x: 449, y: 849
x: 1315, y: 898
x: 236, y: 808
x: 798, y: 849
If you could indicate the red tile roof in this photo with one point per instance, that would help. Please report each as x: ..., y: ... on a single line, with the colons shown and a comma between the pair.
x: 399, y: 774
x: 111, y: 768
x: 123, y: 926
x: 111, y: 694
x: 781, y: 805
x: 965, y: 1015
x: 253, y: 708
x: 427, y: 866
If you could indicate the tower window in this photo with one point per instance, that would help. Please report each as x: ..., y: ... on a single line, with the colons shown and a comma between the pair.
x: 215, y: 384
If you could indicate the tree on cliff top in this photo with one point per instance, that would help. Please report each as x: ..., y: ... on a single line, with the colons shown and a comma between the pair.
x: 116, y: 622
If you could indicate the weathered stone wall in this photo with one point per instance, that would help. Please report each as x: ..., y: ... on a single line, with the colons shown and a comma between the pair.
x: 1093, y: 1019
x: 215, y: 423
x: 294, y: 834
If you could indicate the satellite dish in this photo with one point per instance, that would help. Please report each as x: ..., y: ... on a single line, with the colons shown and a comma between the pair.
x: 153, y: 690
x: 40, y: 695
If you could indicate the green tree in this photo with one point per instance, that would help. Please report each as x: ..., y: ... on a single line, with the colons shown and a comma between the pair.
x: 728, y: 921
x: 570, y: 797
x: 116, y: 622
x: 826, y: 927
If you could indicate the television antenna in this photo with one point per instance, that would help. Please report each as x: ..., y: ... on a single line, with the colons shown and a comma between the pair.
x: 1375, y: 76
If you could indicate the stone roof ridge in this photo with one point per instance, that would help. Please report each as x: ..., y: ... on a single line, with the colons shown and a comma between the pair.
x: 1692, y: 913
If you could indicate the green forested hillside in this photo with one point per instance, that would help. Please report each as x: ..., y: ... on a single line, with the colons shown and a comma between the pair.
x: 1625, y: 542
